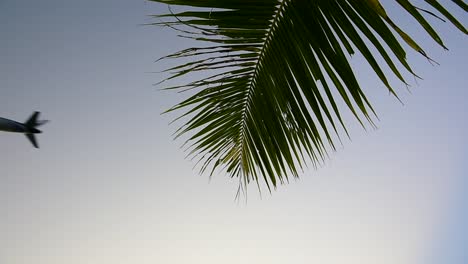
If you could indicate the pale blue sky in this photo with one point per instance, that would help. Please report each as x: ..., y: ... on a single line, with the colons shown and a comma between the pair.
x: 109, y: 185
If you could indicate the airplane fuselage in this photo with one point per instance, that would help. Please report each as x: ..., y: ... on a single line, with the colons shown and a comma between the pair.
x: 27, y: 128
x: 8, y: 125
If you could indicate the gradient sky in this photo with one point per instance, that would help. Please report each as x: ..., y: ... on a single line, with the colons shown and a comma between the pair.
x: 109, y: 185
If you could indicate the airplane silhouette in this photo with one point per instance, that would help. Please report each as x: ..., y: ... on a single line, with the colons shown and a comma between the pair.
x: 28, y: 128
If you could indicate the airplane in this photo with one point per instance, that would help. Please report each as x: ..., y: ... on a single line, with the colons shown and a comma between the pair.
x: 28, y: 128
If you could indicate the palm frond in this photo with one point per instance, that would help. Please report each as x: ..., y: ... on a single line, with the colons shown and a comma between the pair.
x: 276, y: 67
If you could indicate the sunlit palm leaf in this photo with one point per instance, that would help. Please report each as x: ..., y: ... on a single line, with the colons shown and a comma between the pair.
x: 269, y: 103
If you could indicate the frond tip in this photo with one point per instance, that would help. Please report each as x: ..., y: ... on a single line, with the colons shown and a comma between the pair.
x: 278, y: 69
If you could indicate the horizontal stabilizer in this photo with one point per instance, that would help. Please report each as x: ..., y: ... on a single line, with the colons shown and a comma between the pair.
x: 32, y: 121
x: 32, y: 138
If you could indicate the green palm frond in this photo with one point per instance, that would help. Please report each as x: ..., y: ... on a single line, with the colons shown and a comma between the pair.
x: 278, y: 69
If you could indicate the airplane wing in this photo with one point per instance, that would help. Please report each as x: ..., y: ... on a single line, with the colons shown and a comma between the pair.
x: 32, y: 138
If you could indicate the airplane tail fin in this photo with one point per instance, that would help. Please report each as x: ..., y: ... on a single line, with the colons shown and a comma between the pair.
x: 32, y: 123
x: 32, y: 139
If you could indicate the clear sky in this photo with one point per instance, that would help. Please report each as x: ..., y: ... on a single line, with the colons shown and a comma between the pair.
x: 109, y: 185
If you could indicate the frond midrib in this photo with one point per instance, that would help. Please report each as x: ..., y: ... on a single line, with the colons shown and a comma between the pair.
x: 251, y: 84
